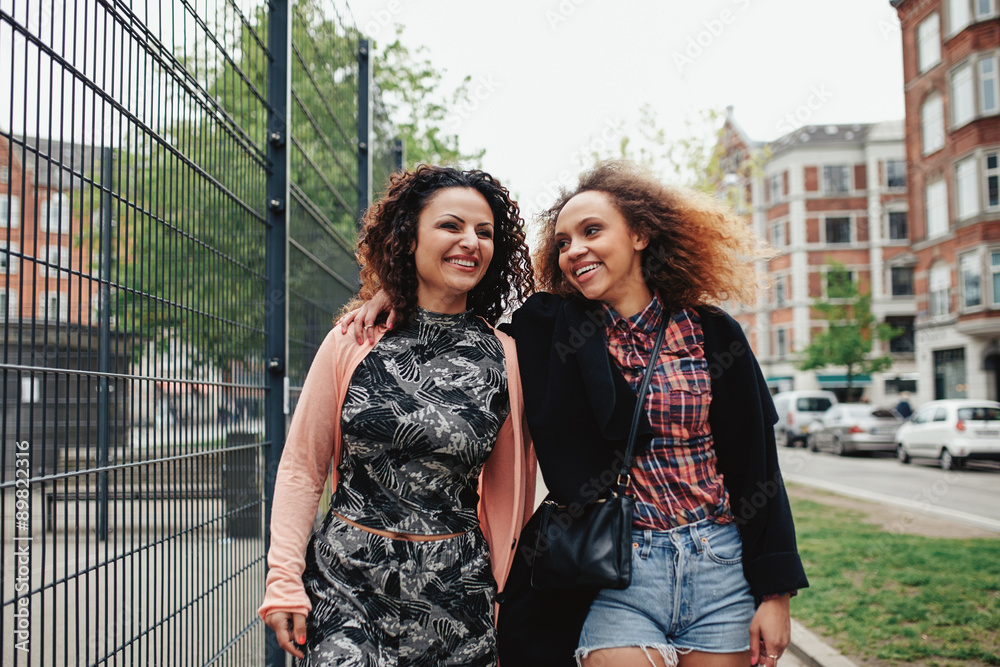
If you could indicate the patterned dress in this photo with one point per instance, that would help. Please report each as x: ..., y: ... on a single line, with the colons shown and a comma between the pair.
x: 421, y: 416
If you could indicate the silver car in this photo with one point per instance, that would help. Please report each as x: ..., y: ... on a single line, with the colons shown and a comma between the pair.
x: 854, y: 427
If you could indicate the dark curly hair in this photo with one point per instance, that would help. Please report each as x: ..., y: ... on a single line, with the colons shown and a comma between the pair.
x: 389, y: 229
x: 700, y: 251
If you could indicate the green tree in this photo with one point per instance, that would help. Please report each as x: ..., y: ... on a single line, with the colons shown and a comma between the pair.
x: 851, y: 330
x: 411, y: 90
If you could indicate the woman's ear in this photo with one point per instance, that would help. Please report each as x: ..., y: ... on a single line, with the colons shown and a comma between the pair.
x: 639, y: 241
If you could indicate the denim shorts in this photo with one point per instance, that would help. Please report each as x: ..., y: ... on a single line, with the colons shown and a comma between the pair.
x: 688, y: 593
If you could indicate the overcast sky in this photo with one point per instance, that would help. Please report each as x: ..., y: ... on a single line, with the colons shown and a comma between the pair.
x: 552, y: 77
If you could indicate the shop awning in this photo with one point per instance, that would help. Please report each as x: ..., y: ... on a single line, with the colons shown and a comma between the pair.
x: 828, y: 381
x: 775, y: 381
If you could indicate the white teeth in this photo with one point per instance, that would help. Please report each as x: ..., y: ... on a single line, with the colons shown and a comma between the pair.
x: 589, y: 267
x: 462, y: 262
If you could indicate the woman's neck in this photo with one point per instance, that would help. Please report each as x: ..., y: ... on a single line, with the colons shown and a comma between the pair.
x: 633, y: 301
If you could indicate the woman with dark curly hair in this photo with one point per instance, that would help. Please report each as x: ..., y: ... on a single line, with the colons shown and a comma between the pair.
x: 433, y: 470
x: 714, y: 561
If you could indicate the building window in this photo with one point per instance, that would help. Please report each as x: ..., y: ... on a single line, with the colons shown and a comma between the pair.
x: 966, y: 188
x: 988, y: 102
x: 837, y: 288
x: 929, y: 42
x: 55, y: 214
x: 838, y: 230
x: 899, y: 385
x: 775, y: 185
x: 991, y: 175
x: 52, y: 256
x: 53, y: 306
x: 902, y: 280
x: 959, y: 15
x: 950, y: 379
x: 972, y: 281
x: 995, y: 276
x: 778, y: 235
x: 895, y: 173
x: 836, y: 178
x: 9, y: 263
x: 985, y: 9
x: 898, y: 230
x: 10, y: 211
x: 4, y: 174
x: 779, y: 292
x: 932, y: 124
x: 903, y: 343
x: 963, y: 96
x: 936, y: 199
x: 31, y: 390
x: 8, y: 306
x: 781, y: 336
x: 940, y: 285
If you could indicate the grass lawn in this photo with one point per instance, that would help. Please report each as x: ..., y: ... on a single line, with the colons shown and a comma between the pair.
x: 886, y: 598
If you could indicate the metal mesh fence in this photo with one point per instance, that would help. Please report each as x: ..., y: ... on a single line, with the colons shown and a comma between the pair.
x: 324, y: 174
x: 133, y: 252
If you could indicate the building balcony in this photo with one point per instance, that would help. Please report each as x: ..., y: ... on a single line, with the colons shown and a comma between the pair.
x: 980, y: 326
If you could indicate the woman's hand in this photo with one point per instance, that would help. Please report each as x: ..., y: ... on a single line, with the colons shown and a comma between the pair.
x: 770, y: 631
x: 291, y: 631
x: 361, y: 321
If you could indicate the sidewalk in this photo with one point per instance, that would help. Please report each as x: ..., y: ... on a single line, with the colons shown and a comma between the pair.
x: 808, y: 650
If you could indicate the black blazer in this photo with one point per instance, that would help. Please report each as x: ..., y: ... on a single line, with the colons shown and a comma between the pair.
x: 579, y: 409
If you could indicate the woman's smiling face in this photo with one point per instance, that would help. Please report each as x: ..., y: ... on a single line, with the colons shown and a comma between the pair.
x: 600, y: 255
x: 453, y: 249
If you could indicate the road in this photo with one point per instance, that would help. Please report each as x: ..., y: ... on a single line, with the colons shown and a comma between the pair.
x: 971, y: 496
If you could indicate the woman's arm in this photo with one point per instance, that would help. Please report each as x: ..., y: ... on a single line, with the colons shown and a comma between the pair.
x: 310, y: 447
x: 770, y: 631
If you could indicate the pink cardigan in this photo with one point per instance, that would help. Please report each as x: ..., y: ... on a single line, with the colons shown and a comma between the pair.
x: 506, y: 486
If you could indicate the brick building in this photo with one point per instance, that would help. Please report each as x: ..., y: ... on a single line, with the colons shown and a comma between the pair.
x: 828, y: 193
x: 49, y: 287
x: 952, y: 93
x: 45, y: 232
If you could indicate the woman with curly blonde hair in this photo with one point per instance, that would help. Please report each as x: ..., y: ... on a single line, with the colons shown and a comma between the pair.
x: 698, y: 252
x: 433, y: 471
x: 714, y: 561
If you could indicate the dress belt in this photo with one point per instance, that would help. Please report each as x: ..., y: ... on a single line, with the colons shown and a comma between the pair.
x: 408, y: 537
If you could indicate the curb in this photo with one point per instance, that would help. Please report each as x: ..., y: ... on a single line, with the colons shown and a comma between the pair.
x: 813, y: 651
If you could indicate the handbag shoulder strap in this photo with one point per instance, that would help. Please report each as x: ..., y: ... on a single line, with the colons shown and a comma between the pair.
x: 624, y: 477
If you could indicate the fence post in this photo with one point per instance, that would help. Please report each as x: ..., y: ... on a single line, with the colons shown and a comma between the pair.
x: 104, y: 351
x: 364, y: 127
x: 276, y: 265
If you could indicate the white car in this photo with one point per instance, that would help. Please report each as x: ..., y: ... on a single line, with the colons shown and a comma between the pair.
x: 952, y: 431
x: 796, y: 410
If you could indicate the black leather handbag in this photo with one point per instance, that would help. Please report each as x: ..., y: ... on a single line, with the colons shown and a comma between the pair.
x: 590, y: 546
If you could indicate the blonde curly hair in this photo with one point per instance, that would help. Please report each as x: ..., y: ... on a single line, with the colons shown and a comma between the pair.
x: 700, y: 251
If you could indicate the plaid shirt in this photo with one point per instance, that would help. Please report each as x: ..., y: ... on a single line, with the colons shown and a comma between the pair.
x: 677, y: 474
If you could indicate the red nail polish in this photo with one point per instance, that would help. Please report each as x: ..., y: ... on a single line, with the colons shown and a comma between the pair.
x: 301, y: 640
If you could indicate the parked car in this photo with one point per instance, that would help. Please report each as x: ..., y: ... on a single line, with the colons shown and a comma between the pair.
x: 847, y: 428
x: 796, y: 410
x: 953, y: 431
